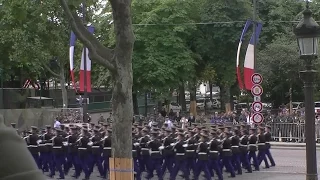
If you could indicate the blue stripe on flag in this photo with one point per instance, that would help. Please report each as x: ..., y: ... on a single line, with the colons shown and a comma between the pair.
x: 245, y: 29
x: 72, y: 39
x: 258, y: 31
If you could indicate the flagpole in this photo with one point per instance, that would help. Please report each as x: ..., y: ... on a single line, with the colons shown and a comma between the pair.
x: 254, y: 19
x: 85, y: 105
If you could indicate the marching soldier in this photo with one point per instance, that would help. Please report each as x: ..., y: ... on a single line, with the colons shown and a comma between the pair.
x: 191, y: 152
x: 235, y: 141
x: 95, y: 154
x: 155, y: 160
x: 106, y: 151
x: 202, y: 163
x: 214, y: 149
x: 83, y: 153
x: 58, y: 155
x: 32, y: 141
x: 167, y: 152
x: 72, y: 155
x: 144, y: 157
x: 268, y: 137
x: 227, y: 154
x: 180, y: 162
x: 244, y: 150
x: 253, y: 148
x: 46, y: 151
x: 262, y: 147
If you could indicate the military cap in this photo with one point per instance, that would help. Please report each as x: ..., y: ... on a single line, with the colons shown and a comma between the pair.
x: 213, y: 126
x: 165, y: 125
x: 58, y: 129
x: 85, y: 127
x: 62, y: 125
x: 180, y: 130
x: 213, y: 133
x: 190, y: 128
x: 156, y: 129
x: 97, y: 126
x: 154, y: 132
x: 252, y: 129
x: 195, y: 125
x: 205, y: 130
x: 71, y: 125
x: 48, y: 127
x: 105, y: 124
x: 163, y: 128
x: 220, y: 127
x: 67, y: 128
x: 145, y: 124
x: 109, y: 130
x: 203, y: 135
x: 154, y: 124
x: 34, y: 128
x: 237, y: 125
x: 148, y: 127
x: 140, y: 127
x: 180, y: 134
x: 43, y: 130
x: 192, y: 132
x: 145, y: 130
x: 135, y: 124
x: 261, y: 127
x: 267, y: 126
x: 73, y: 128
x: 13, y: 124
x: 96, y: 130
x: 92, y: 123
x: 227, y: 127
x: 173, y: 128
x: 168, y: 130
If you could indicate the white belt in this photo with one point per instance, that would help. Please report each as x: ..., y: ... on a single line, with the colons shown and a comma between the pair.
x: 180, y: 154
x: 234, y: 146
x: 154, y: 152
x: 96, y: 147
x: 33, y: 146
x: 57, y: 147
x: 108, y: 148
x: 243, y: 145
x: 42, y: 145
x: 252, y: 145
x: 134, y: 150
x: 267, y: 143
x: 189, y: 150
x: 214, y: 151
x: 202, y: 153
x: 226, y: 150
x: 144, y: 149
x: 49, y: 144
x: 83, y: 148
x: 261, y: 144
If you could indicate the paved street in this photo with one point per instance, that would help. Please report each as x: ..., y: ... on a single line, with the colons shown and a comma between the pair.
x: 290, y: 165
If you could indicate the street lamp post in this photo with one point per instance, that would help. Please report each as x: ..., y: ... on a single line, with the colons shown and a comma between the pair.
x: 307, y: 33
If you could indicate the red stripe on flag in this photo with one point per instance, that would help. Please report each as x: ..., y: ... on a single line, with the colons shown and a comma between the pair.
x: 247, y: 77
x: 240, y: 82
x: 88, y: 74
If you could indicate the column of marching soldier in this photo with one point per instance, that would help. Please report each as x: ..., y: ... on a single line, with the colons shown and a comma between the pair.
x: 197, y: 149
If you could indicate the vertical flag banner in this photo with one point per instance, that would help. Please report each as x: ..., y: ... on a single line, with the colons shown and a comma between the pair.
x: 244, y: 31
x: 71, y: 56
x: 249, y: 58
x: 73, y: 40
x: 88, y: 67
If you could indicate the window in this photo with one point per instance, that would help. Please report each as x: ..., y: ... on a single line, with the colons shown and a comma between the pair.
x: 317, y: 104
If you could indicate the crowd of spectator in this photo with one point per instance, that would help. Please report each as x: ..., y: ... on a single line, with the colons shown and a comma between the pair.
x: 70, y: 115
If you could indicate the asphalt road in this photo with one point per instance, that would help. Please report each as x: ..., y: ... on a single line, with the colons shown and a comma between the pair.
x: 290, y: 165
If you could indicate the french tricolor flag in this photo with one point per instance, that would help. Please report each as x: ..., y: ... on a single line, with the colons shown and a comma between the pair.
x: 238, y: 69
x: 248, y: 70
x: 71, y: 56
x: 88, y: 67
x: 82, y: 69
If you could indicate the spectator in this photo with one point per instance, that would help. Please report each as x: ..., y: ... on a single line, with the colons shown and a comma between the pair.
x: 57, y: 123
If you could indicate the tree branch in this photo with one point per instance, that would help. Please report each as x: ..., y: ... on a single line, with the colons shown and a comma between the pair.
x: 94, y: 46
x: 48, y: 69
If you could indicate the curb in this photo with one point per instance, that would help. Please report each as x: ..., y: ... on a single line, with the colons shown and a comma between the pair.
x: 280, y: 144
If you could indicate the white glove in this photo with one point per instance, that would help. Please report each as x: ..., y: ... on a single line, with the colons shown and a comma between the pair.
x: 161, y: 147
x: 185, y: 145
x: 172, y: 144
x: 136, y: 144
x: 90, y: 143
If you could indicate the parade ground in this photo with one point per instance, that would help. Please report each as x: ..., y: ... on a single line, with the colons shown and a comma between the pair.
x: 290, y: 165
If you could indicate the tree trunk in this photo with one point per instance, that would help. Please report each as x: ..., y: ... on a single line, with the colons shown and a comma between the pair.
x: 182, y: 97
x: 135, y: 103
x: 193, y: 101
x: 210, y: 86
x: 225, y: 98
x: 64, y: 91
x: 145, y: 104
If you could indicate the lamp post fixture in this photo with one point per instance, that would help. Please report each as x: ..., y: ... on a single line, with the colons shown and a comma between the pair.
x: 307, y: 33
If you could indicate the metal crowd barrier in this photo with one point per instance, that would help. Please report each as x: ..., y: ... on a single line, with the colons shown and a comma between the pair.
x: 285, y: 132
